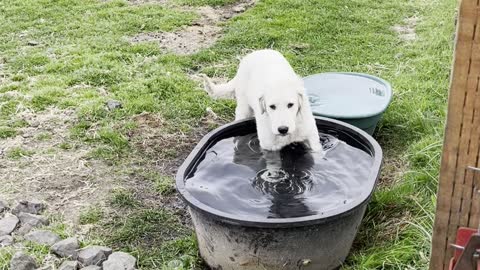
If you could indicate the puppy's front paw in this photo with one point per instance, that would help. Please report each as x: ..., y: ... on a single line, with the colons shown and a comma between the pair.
x: 276, y: 148
x: 269, y: 147
x: 316, y: 147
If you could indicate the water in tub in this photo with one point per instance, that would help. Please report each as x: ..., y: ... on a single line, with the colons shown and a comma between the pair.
x: 237, y: 177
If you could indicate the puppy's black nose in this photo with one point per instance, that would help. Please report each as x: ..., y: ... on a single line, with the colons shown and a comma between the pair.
x: 283, y: 130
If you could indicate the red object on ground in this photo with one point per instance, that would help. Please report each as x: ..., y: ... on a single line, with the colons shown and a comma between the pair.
x: 463, y: 235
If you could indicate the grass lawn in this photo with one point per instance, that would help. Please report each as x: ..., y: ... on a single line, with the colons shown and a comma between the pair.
x: 112, y: 170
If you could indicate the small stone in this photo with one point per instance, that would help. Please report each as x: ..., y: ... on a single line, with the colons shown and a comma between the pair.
x: 8, y: 224
x: 69, y: 265
x: 32, y: 43
x: 120, y: 261
x: 22, y: 261
x: 238, y: 9
x: 300, y: 46
x: 113, y: 104
x: 43, y: 237
x: 66, y: 248
x: 27, y: 135
x: 34, y: 220
x: 93, y: 255
x: 33, y: 207
x: 47, y: 267
x: 24, y: 229
x: 306, y: 262
x: 6, y: 240
x: 92, y: 267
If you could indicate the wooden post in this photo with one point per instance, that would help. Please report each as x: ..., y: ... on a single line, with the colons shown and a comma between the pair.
x: 458, y: 202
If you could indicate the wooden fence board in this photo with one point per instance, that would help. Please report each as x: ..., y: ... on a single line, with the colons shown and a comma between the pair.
x: 457, y: 199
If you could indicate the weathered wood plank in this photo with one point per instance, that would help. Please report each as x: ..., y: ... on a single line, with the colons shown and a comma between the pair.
x: 462, y: 186
x: 473, y: 144
x: 454, y: 197
x: 473, y: 219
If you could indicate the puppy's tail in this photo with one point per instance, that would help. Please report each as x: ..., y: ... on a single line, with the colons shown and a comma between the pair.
x: 225, y: 90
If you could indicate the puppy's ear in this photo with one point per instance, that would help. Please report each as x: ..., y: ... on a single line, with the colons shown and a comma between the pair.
x: 261, y: 102
x: 300, y: 103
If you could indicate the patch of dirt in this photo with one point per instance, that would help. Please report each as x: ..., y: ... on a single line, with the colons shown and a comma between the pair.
x: 187, y: 41
x: 406, y: 31
x: 203, y: 33
x: 168, y: 146
x: 162, y: 149
x: 141, y: 2
x: 15, y: 95
x: 64, y: 178
x: 57, y: 170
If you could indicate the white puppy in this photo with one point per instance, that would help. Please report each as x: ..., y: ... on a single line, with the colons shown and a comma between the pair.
x: 267, y: 88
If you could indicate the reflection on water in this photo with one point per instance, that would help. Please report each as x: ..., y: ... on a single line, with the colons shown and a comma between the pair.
x: 237, y: 177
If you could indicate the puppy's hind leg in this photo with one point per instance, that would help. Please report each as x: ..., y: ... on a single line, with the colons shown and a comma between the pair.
x: 226, y: 90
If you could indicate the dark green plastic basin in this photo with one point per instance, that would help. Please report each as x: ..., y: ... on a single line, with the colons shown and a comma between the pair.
x: 355, y: 98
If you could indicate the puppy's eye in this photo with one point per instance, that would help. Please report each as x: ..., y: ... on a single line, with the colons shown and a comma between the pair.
x: 273, y: 107
x: 290, y: 105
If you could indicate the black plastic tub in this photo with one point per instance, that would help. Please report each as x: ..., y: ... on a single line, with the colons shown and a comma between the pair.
x: 317, y: 242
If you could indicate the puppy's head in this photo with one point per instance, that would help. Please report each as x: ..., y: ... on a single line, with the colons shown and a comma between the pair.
x: 283, y: 104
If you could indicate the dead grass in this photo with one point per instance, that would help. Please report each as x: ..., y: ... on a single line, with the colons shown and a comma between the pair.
x: 393, y: 169
x: 164, y: 143
x: 406, y: 31
x: 159, y: 148
x: 203, y: 33
x: 64, y: 178
x: 142, y: 2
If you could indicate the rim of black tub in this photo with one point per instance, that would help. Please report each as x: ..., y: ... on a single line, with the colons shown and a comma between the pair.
x: 361, y: 137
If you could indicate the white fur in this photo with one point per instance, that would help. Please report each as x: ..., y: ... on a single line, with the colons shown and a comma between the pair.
x: 265, y: 79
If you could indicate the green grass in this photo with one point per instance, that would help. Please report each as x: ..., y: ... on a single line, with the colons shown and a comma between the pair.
x: 165, y: 185
x: 84, y: 50
x: 66, y: 146
x: 44, y: 136
x: 18, y: 153
x: 154, y: 235
x: 91, y: 216
x: 205, y: 2
x: 146, y: 225
x: 38, y: 251
x: 58, y: 226
x: 162, y: 184
x: 6, y: 255
x: 7, y: 132
x: 122, y: 198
